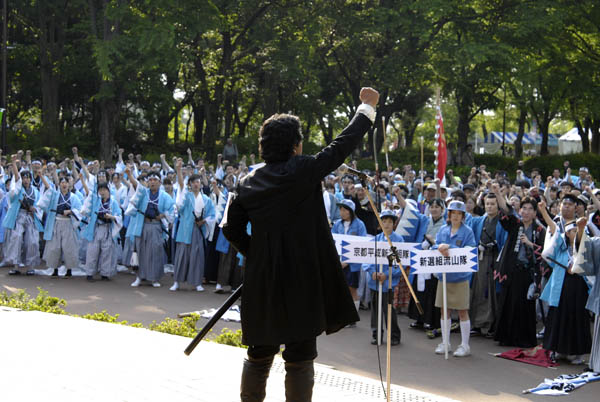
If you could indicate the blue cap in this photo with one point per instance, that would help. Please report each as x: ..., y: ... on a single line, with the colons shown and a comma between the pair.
x: 347, y: 203
x: 457, y: 206
x: 386, y: 213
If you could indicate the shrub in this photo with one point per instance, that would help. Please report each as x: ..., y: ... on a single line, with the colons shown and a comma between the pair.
x: 48, y: 304
x: 186, y: 327
x: 229, y: 337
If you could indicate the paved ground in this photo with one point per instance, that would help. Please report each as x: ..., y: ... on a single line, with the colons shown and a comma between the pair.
x: 480, y: 377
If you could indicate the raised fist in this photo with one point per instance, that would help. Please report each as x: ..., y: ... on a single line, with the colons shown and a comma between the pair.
x: 369, y: 96
x: 542, y: 205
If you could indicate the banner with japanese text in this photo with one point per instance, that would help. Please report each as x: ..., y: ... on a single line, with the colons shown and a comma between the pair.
x: 432, y: 262
x: 361, y: 250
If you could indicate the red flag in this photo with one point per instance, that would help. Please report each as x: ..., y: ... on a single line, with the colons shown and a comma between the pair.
x: 441, y: 154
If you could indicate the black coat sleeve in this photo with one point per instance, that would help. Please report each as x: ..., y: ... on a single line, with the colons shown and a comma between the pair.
x: 332, y: 156
x: 235, y: 227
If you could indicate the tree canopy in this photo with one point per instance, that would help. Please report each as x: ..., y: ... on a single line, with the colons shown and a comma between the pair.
x: 157, y: 75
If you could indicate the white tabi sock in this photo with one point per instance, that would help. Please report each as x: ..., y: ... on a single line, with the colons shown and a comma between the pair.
x: 445, y: 324
x: 465, y: 332
x: 357, y: 304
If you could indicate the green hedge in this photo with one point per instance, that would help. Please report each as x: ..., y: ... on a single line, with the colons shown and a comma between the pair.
x: 493, y: 162
x: 49, y: 304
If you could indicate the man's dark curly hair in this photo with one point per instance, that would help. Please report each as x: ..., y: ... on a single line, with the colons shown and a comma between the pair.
x: 278, y: 136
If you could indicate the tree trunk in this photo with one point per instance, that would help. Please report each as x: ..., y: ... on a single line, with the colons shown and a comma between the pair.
x: 187, y: 126
x: 211, y: 134
x: 595, y: 127
x: 583, y: 133
x: 51, y: 40
x: 409, y: 126
x: 109, y: 118
x: 544, y: 126
x: 198, y: 112
x: 161, y: 130
x: 50, y: 121
x: 326, y: 129
x: 176, y: 129
x: 463, y: 127
x: 520, y: 134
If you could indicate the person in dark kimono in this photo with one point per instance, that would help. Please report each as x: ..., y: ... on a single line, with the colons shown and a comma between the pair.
x: 567, y: 332
x: 491, y: 236
x: 519, y: 272
x: 587, y: 263
x: 294, y: 287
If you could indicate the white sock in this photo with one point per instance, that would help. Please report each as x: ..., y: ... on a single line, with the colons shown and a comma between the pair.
x: 465, y: 332
x: 357, y: 304
x: 445, y: 324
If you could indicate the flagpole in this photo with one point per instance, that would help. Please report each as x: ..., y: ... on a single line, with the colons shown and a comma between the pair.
x: 385, y: 147
x: 444, y: 326
x: 380, y: 305
x: 422, y: 161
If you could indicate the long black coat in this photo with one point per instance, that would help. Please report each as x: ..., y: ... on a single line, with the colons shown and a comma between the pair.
x: 294, y: 288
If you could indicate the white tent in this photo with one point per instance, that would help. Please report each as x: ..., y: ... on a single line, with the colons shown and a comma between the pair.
x: 570, y: 142
x: 531, y: 142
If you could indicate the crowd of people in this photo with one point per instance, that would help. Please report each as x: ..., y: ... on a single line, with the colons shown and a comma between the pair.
x: 145, y: 216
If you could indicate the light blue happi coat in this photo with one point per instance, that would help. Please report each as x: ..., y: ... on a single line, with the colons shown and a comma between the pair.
x: 186, y: 216
x: 90, y: 212
x: 587, y: 262
x: 48, y: 202
x: 137, y: 208
x: 15, y: 195
x: 555, y: 247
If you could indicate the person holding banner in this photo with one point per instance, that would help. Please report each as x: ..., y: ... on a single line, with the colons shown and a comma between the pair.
x: 425, y: 284
x: 455, y: 234
x: 388, y: 218
x: 349, y: 224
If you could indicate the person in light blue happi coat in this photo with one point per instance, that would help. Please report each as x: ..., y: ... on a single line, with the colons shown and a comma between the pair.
x: 375, y: 278
x: 349, y: 224
x: 62, y: 210
x: 587, y: 262
x: 103, y: 221
x: 152, y: 209
x: 455, y: 235
x: 196, y: 221
x: 22, y: 223
x: 567, y: 332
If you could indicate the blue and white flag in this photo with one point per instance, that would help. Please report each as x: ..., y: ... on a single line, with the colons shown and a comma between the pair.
x: 563, y: 384
x: 361, y: 250
x: 432, y: 262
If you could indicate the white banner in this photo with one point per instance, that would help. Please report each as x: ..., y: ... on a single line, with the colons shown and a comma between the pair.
x: 432, y: 262
x: 361, y: 250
